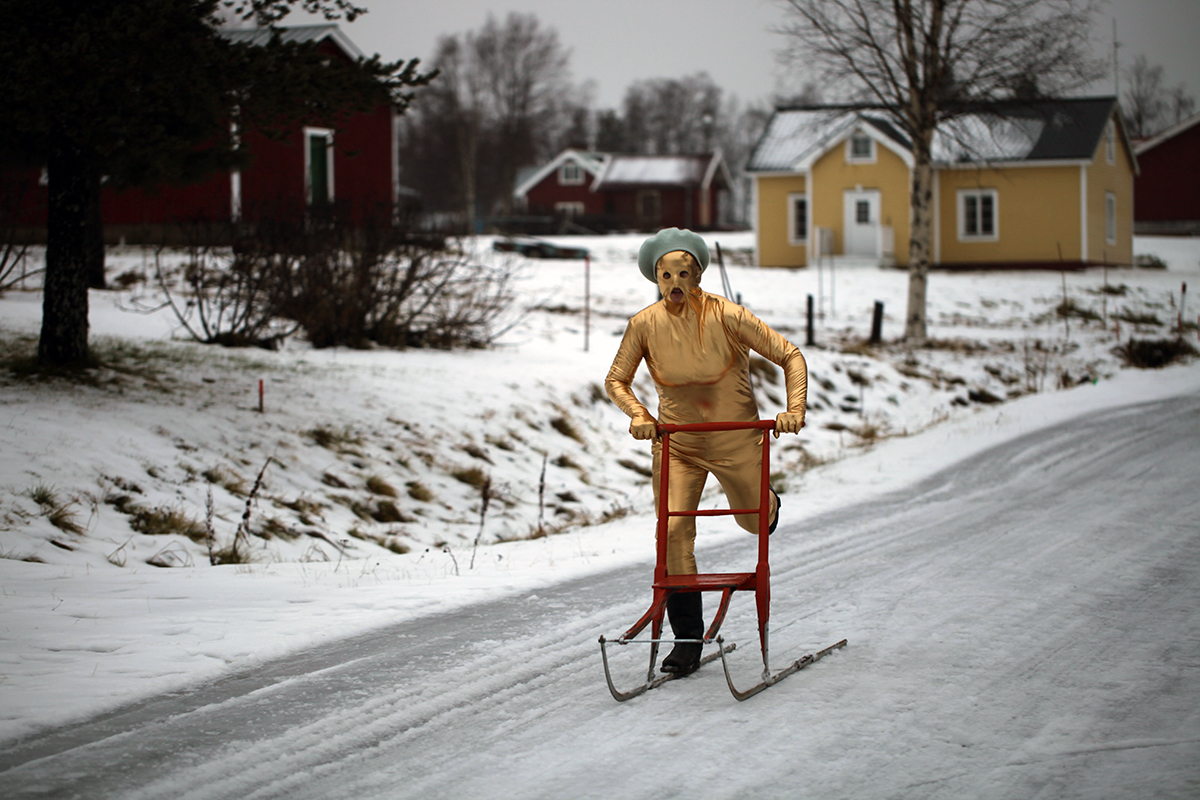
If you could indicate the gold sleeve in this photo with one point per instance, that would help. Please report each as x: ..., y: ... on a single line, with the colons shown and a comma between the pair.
x: 771, y: 345
x: 619, y: 383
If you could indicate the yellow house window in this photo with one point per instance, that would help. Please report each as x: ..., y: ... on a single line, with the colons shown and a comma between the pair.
x: 1110, y: 217
x: 977, y: 215
x: 860, y: 148
x: 797, y: 218
x: 1110, y: 142
x: 569, y: 174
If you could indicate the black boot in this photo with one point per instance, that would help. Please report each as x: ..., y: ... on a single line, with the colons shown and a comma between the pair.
x: 778, y: 503
x: 685, y: 611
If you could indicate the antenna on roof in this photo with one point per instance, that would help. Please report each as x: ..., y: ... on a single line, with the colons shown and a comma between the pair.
x: 1116, y: 68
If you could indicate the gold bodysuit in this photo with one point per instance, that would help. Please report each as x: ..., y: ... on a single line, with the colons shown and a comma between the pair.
x: 699, y: 359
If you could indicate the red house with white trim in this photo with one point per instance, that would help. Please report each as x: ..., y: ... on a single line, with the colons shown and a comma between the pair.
x: 610, y: 191
x: 354, y: 166
x: 1167, y: 190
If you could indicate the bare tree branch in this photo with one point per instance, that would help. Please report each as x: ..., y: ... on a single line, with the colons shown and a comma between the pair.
x: 927, y: 62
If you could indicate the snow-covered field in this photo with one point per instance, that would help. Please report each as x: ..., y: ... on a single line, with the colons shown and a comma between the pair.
x: 370, y: 506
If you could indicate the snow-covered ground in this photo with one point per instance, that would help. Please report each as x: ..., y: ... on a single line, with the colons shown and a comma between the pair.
x: 369, y: 509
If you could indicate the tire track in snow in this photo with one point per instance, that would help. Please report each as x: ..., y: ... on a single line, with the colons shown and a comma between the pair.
x: 981, y: 663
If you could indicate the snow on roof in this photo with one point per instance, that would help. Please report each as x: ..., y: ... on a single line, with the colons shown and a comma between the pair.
x: 297, y: 33
x: 1017, y: 131
x: 793, y: 133
x: 656, y: 170
x: 1165, y: 135
x: 590, y: 161
x: 986, y: 137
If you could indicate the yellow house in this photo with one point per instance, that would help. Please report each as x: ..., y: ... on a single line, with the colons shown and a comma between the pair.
x: 1031, y: 184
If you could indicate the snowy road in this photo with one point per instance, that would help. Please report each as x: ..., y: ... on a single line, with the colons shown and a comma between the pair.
x: 1025, y: 625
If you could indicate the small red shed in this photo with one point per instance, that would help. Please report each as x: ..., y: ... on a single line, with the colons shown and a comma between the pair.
x: 1167, y: 190
x: 352, y: 163
x: 611, y: 191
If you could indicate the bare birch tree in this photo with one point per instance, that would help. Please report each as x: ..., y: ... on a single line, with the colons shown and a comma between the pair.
x: 502, y: 100
x: 1148, y: 105
x: 526, y: 78
x: 925, y: 62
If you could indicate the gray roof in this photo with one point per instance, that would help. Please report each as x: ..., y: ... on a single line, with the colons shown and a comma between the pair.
x: 297, y: 33
x: 1066, y: 129
x: 656, y: 170
x: 794, y: 134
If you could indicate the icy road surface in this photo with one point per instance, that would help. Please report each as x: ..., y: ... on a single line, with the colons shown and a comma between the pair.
x: 1024, y: 625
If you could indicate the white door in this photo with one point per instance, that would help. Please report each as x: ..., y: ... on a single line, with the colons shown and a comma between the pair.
x: 861, y: 221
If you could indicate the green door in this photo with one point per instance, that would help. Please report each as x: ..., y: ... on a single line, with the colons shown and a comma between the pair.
x: 318, y: 169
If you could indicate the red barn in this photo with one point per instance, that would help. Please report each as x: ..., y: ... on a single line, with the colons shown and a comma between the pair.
x: 1167, y: 191
x: 608, y: 191
x: 353, y: 166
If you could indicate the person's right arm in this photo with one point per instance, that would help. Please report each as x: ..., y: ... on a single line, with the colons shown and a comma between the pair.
x: 619, y: 383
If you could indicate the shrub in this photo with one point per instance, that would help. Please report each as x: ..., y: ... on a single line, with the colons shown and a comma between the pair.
x: 632, y: 465
x: 1138, y: 318
x: 343, y: 281
x: 60, y: 514
x: 228, y: 479
x: 163, y: 521
x: 339, y: 441
x: 1069, y: 308
x: 1153, y: 353
x: 566, y: 428
x: 232, y: 297
x: 419, y: 492
x: 379, y: 486
x: 472, y: 476
x: 387, y: 511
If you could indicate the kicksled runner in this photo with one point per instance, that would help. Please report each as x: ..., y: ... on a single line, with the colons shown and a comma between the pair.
x: 666, y: 585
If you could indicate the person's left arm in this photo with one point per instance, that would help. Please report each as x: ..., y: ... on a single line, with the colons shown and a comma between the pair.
x: 772, y: 345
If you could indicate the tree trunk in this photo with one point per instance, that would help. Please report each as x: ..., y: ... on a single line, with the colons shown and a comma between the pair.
x: 95, y: 238
x: 468, y: 145
x: 64, y: 338
x: 920, y: 244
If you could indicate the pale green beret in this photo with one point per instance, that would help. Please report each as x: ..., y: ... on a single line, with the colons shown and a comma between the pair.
x: 668, y: 240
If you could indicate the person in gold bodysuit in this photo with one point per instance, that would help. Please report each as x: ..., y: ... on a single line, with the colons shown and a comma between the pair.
x: 697, y: 348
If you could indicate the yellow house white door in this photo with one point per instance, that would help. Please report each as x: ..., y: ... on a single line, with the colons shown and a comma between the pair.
x: 861, y: 222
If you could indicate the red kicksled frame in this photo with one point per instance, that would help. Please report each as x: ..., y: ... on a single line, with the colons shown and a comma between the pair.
x: 758, y: 581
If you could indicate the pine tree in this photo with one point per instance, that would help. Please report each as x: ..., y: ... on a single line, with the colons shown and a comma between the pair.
x: 143, y: 92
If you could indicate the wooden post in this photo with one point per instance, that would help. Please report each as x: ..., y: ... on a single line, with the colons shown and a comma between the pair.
x: 587, y: 300
x: 877, y: 323
x: 808, y: 339
x: 1182, y: 301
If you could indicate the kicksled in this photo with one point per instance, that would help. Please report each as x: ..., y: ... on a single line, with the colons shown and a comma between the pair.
x: 758, y: 581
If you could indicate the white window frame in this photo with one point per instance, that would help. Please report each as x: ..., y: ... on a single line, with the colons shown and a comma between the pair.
x: 792, y: 200
x: 570, y: 174
x: 1110, y: 218
x: 1110, y: 142
x: 309, y: 133
x: 852, y: 157
x: 977, y: 194
x: 569, y: 208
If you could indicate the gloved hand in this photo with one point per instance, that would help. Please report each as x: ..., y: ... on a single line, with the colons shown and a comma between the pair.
x: 643, y: 428
x: 789, y: 422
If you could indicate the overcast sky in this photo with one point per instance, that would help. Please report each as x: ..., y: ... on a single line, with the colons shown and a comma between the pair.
x: 616, y: 42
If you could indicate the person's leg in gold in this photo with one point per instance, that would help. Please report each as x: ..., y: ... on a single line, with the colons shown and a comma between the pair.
x: 685, y: 610
x: 740, y: 477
